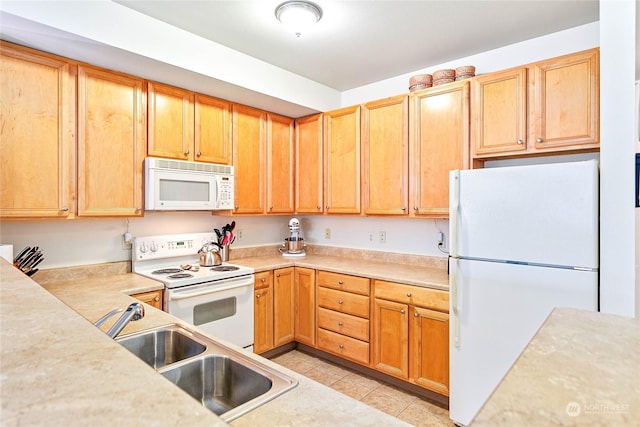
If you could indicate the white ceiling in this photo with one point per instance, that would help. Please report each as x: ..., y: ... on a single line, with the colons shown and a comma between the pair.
x: 360, y: 42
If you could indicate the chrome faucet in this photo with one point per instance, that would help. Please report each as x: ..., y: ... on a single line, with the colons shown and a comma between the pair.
x: 134, y: 312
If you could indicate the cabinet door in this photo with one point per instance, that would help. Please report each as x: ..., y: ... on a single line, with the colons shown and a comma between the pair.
x: 212, y: 130
x: 249, y: 160
x: 385, y: 156
x: 440, y: 143
x: 280, y: 164
x: 305, y: 306
x: 342, y: 161
x: 390, y: 352
x: 499, y: 112
x: 309, y: 164
x: 170, y: 122
x: 567, y: 100
x: 37, y: 154
x: 153, y: 298
x: 430, y: 350
x: 263, y: 312
x: 111, y: 143
x: 283, y: 306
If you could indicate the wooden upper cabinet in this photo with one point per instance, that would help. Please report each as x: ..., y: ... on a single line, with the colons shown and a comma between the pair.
x: 499, y: 108
x: 212, y: 130
x: 111, y: 143
x: 170, y: 122
x: 309, y: 164
x: 439, y: 143
x: 37, y: 154
x: 249, y: 159
x: 342, y: 161
x: 566, y: 101
x: 385, y: 156
x: 280, y: 164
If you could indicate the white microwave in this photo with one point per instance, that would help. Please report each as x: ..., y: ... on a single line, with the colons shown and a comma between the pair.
x: 177, y: 185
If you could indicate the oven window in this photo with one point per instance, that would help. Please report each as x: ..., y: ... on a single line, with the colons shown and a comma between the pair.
x: 214, y: 310
x: 181, y: 191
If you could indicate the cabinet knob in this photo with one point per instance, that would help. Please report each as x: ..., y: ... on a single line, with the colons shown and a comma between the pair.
x: 415, y: 208
x: 270, y: 208
x: 278, y: 275
x: 156, y: 299
x: 236, y: 207
x: 198, y: 154
x: 318, y: 207
x: 409, y: 294
x: 262, y: 280
x: 402, y: 311
x: 340, y: 282
x: 539, y: 140
x: 339, y: 301
x: 64, y: 208
x: 404, y: 208
x: 186, y: 152
x: 341, y: 346
x: 415, y: 314
x: 520, y: 142
x: 340, y: 323
x: 138, y: 209
x: 258, y: 295
x: 326, y: 207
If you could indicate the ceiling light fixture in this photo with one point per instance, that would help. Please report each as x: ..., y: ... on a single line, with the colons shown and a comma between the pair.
x: 298, y: 16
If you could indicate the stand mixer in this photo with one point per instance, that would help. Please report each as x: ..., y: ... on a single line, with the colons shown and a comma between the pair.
x: 293, y: 245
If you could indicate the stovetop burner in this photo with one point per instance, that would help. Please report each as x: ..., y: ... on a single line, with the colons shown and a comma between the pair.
x: 167, y: 271
x: 180, y: 276
x: 224, y: 268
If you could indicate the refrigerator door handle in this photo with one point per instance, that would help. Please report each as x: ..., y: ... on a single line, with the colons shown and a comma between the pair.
x: 455, y: 308
x: 454, y: 182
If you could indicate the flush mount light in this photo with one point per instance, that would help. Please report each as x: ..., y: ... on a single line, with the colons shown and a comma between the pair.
x: 298, y: 16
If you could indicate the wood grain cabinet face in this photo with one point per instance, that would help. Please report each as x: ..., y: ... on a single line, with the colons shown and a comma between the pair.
x: 305, y: 305
x: 153, y: 298
x: 170, y: 118
x: 37, y: 154
x: 212, y: 130
x: 342, y: 161
x: 283, y: 306
x: 249, y: 159
x: 280, y: 164
x: 439, y: 143
x: 309, y: 165
x: 429, y: 349
x: 385, y: 156
x: 111, y: 143
x: 263, y: 312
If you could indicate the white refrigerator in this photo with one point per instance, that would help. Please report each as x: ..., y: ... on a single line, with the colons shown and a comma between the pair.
x: 523, y: 240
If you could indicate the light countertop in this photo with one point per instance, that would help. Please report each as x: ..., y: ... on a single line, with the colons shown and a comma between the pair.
x: 57, y: 368
x: 582, y: 368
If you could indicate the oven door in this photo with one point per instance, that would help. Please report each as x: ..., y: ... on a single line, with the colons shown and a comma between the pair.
x: 223, y: 308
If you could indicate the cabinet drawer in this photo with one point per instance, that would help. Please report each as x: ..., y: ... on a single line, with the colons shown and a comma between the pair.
x: 344, y: 324
x: 263, y: 279
x: 343, y: 282
x: 414, y: 295
x: 344, y: 302
x: 343, y: 346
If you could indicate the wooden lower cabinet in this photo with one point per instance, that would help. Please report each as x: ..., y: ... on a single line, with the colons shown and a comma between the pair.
x: 283, y: 306
x: 305, y: 305
x: 263, y: 312
x: 411, y: 334
x: 153, y: 298
x: 273, y: 309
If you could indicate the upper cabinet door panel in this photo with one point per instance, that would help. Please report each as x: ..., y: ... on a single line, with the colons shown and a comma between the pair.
x: 212, y: 133
x: 170, y: 122
x: 249, y: 159
x: 37, y: 154
x: 309, y: 164
x: 111, y: 143
x: 281, y: 164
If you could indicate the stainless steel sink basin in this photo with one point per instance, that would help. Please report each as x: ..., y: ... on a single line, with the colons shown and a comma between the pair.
x: 164, y: 346
x: 224, y: 380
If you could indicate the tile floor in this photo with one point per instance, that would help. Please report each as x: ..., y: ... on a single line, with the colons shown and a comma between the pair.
x: 401, y: 404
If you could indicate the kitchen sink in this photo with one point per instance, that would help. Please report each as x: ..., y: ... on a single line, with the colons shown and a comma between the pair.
x: 164, y: 346
x: 226, y: 381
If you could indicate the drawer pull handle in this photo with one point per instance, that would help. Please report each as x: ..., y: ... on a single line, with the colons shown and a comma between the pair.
x: 409, y: 294
x: 340, y: 323
x: 339, y: 301
x: 340, y: 346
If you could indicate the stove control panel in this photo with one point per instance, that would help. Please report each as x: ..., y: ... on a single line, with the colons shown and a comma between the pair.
x: 175, y: 245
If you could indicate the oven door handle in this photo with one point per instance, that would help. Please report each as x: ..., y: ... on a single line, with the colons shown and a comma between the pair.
x: 179, y: 295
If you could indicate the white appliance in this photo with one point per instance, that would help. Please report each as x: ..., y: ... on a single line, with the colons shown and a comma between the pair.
x: 218, y: 300
x: 178, y: 185
x: 523, y: 240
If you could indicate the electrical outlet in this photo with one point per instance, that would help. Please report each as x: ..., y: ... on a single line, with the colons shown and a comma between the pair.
x: 382, y: 236
x: 126, y: 246
x: 327, y: 233
x: 372, y: 238
x: 238, y: 234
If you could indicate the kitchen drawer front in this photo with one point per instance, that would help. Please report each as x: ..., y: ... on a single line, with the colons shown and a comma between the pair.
x: 344, y: 302
x: 263, y: 279
x: 343, y: 346
x: 345, y: 324
x: 343, y: 282
x: 413, y: 295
